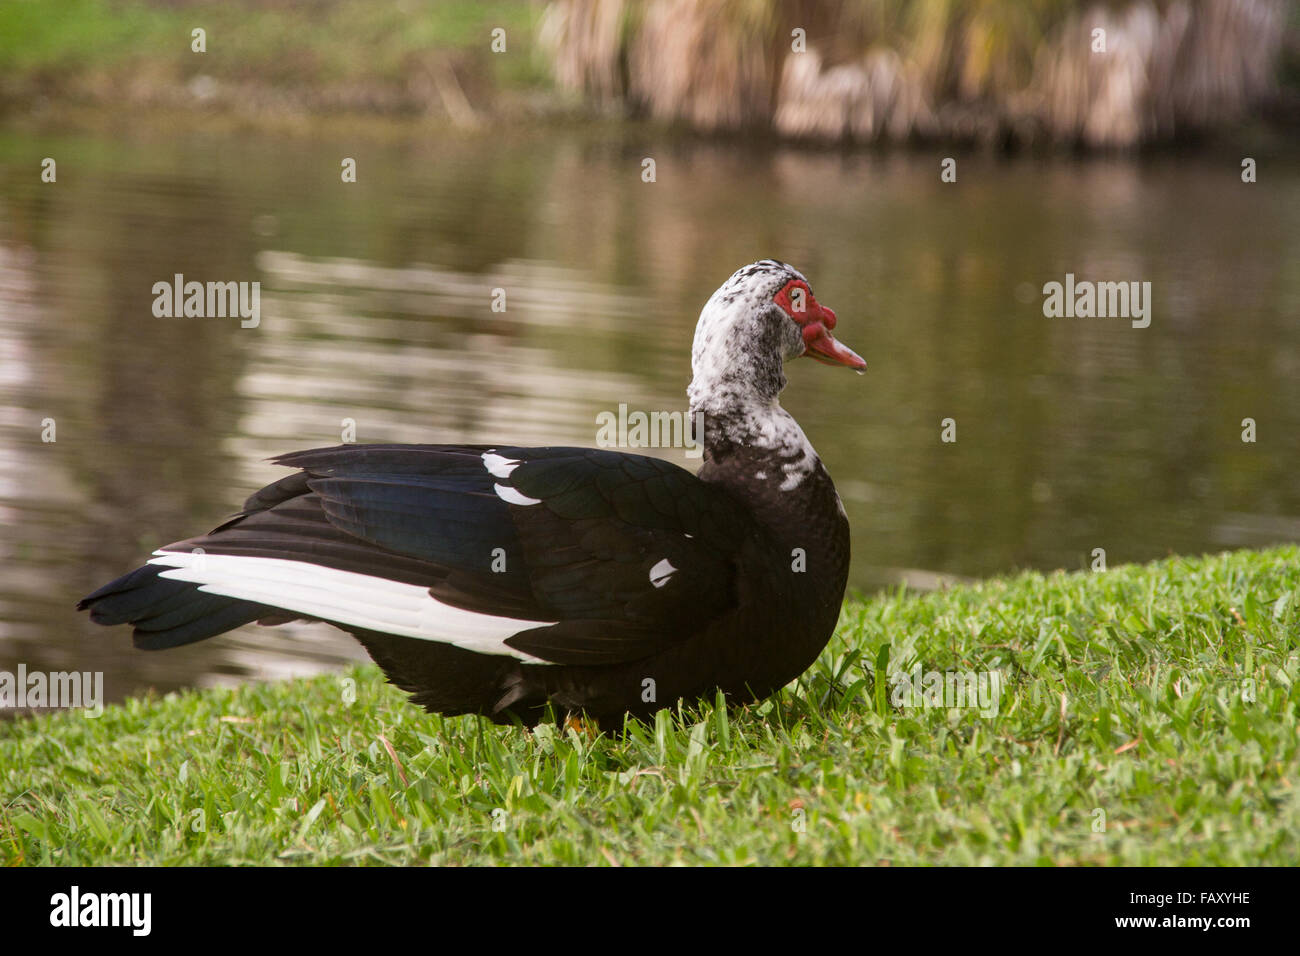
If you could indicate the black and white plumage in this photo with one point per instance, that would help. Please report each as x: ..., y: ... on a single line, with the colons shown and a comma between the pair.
x: 490, y: 579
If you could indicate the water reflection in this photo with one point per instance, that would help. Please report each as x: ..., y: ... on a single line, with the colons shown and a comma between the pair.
x: 376, y: 308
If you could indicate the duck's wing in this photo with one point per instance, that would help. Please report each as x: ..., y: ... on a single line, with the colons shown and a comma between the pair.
x: 549, y: 555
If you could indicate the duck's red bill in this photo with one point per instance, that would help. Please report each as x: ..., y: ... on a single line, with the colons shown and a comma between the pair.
x: 825, y: 348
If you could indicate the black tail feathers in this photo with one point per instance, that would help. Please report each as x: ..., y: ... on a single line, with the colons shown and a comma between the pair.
x: 168, y: 613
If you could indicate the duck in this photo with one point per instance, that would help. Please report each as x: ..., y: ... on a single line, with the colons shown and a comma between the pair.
x: 524, y: 583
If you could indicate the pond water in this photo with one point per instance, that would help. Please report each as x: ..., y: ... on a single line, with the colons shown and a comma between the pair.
x: 1072, y: 434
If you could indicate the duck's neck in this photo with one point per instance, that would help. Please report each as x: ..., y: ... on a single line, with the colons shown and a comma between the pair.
x: 737, y: 371
x: 747, y: 425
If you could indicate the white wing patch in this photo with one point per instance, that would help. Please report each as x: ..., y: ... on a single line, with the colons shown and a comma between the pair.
x: 498, y: 466
x: 514, y: 496
x: 346, y: 597
x: 661, y: 572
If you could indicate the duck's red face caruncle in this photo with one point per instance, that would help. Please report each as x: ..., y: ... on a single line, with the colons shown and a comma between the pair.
x: 816, y: 321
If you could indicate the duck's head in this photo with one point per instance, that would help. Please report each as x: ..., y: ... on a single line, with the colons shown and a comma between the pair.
x: 760, y: 318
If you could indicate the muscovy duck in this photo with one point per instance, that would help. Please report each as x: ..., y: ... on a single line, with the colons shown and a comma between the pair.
x: 489, y: 579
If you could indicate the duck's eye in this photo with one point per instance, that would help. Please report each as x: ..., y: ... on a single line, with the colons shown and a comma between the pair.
x: 795, y: 298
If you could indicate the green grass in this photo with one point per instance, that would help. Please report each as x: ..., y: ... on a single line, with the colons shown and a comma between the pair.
x: 1161, y: 695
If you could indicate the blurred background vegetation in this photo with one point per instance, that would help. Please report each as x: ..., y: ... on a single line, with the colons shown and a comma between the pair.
x: 1000, y: 71
x: 1005, y: 72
